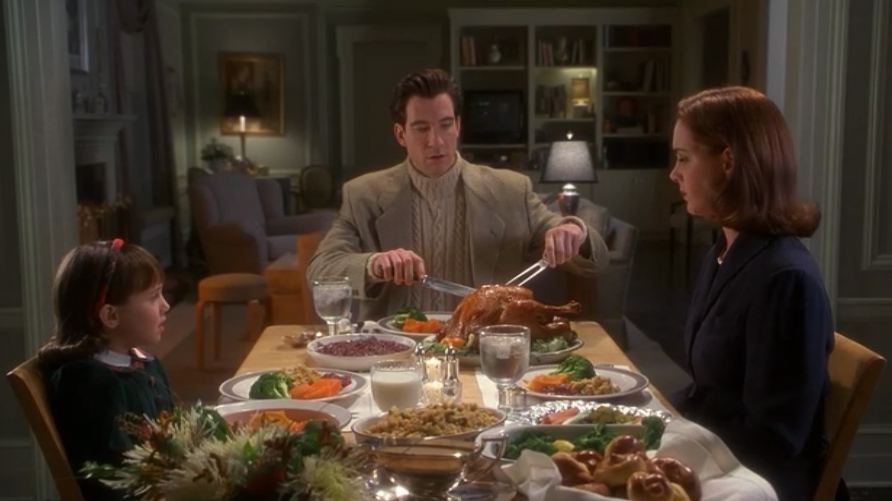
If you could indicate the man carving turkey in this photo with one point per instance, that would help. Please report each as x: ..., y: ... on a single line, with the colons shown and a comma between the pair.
x: 437, y: 214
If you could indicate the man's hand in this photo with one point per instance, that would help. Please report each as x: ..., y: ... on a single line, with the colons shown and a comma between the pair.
x: 400, y: 266
x: 562, y: 243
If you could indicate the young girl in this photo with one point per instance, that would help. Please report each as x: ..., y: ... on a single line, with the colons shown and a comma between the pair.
x: 108, y: 304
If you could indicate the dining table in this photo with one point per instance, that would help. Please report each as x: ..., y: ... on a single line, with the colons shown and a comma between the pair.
x: 273, y: 351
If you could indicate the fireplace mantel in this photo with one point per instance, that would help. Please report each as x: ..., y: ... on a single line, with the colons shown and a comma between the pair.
x: 95, y: 141
x: 99, y: 127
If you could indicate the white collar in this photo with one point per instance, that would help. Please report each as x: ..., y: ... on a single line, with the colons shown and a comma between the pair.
x: 118, y: 359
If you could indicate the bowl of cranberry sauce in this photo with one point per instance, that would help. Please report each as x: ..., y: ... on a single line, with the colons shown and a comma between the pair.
x: 358, y: 352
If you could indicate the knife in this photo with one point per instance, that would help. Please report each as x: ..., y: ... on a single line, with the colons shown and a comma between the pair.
x: 446, y: 286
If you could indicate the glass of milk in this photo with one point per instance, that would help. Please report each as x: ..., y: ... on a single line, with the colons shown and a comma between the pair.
x: 396, y: 383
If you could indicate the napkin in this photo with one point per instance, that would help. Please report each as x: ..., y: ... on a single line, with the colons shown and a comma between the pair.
x: 722, y: 477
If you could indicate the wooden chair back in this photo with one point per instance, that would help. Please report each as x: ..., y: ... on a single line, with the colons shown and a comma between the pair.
x: 28, y: 386
x: 853, y: 371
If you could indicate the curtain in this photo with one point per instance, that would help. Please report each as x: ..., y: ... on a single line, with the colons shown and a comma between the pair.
x: 139, y: 17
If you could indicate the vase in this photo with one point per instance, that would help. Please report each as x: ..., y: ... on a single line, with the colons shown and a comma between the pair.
x: 218, y: 164
x: 495, y: 55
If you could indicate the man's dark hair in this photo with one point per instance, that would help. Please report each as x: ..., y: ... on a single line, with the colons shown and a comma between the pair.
x: 427, y: 83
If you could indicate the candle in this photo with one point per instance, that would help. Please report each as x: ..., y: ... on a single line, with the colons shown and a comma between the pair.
x: 432, y: 369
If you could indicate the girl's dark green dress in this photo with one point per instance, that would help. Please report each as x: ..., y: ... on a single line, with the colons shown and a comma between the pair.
x: 90, y: 396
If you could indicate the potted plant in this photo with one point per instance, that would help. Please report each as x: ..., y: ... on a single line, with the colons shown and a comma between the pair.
x: 217, y: 155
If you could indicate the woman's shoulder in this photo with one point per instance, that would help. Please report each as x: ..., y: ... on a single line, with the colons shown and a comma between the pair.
x: 787, y: 255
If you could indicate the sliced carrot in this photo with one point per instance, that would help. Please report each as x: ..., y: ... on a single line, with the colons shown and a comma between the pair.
x: 559, y: 417
x: 319, y: 388
x: 412, y: 325
x: 543, y: 381
x: 454, y: 341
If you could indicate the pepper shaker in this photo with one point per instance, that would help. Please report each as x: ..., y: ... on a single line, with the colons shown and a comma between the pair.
x: 451, y: 384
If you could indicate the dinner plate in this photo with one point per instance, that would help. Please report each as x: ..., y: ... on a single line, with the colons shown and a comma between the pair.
x: 541, y: 358
x: 239, y: 387
x: 299, y: 410
x: 386, y: 325
x: 629, y: 383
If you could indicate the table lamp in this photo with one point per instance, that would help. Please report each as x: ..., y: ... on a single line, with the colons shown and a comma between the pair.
x: 240, y: 105
x: 569, y: 162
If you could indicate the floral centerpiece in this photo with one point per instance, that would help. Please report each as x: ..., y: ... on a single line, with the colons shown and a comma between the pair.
x: 193, y: 454
x: 217, y: 155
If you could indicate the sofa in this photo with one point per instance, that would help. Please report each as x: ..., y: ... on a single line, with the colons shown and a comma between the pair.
x: 603, y: 298
x: 242, y: 224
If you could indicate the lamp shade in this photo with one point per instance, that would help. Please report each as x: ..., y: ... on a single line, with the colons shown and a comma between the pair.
x: 240, y: 104
x: 569, y: 162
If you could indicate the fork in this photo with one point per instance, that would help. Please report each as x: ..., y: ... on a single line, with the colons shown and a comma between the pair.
x: 529, y: 273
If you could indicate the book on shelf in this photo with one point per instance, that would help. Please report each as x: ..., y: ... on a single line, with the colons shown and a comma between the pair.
x: 468, y: 51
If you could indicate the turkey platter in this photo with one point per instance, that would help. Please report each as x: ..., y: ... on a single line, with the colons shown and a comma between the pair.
x: 508, y: 304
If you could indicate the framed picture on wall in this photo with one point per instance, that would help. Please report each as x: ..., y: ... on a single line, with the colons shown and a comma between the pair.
x: 78, y: 50
x: 257, y: 79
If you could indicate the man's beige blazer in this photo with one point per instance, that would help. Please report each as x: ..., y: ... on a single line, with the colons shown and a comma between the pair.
x: 506, y: 222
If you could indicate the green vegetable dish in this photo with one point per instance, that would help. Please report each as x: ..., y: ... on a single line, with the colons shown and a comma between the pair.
x: 576, y: 368
x: 408, y: 312
x: 271, y: 385
x: 597, y: 439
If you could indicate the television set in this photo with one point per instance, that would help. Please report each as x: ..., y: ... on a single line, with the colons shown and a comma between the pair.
x: 493, y: 117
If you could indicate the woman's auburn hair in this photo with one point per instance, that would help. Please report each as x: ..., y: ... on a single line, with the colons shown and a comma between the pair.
x: 758, y: 193
x: 79, y: 279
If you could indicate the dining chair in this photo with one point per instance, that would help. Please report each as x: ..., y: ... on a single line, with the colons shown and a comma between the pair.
x: 27, y: 384
x: 853, y: 371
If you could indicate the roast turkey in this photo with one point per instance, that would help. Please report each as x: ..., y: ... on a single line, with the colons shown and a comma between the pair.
x: 508, y: 304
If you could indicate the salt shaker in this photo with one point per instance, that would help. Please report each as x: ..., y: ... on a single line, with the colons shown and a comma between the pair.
x: 451, y: 384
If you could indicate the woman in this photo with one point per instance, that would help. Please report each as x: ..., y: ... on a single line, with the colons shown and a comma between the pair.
x: 759, y: 328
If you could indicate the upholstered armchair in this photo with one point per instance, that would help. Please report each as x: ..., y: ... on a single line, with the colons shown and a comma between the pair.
x: 603, y: 298
x: 242, y: 223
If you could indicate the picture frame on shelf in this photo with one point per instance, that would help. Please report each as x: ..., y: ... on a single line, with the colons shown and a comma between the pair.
x: 260, y: 76
x: 77, y: 14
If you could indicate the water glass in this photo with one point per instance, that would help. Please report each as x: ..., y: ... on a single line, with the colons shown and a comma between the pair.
x: 396, y: 383
x: 505, y: 358
x: 332, y: 297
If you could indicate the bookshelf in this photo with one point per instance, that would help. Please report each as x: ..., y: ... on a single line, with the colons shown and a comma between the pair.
x: 623, y: 66
x: 605, y: 75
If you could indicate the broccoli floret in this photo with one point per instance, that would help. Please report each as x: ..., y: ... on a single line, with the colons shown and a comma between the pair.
x: 597, y: 439
x: 554, y: 344
x: 532, y: 440
x: 653, y: 432
x: 408, y: 312
x: 576, y: 368
x: 271, y: 385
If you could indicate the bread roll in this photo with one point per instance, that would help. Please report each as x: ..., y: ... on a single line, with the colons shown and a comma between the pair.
x: 589, y: 458
x: 678, y: 473
x: 624, y: 444
x: 615, y: 469
x: 643, y: 486
x: 572, y: 471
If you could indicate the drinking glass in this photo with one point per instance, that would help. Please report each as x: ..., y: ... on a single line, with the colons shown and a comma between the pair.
x: 396, y: 383
x: 331, y: 297
x: 505, y: 357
